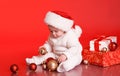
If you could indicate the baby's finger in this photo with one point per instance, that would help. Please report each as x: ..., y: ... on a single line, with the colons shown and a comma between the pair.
x: 59, y: 60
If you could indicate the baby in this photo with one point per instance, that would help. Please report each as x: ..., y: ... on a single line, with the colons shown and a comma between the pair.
x: 63, y: 42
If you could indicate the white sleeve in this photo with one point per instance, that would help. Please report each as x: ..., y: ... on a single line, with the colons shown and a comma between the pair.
x: 74, y: 47
x: 47, y: 46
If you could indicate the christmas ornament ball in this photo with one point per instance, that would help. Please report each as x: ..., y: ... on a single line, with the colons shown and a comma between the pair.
x: 85, y: 61
x: 33, y: 66
x: 52, y: 65
x: 14, y: 68
x: 44, y: 66
x: 113, y: 46
x: 50, y: 58
x: 104, y: 49
x: 43, y: 51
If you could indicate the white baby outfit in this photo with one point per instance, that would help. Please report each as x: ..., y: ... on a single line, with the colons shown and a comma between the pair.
x: 68, y: 44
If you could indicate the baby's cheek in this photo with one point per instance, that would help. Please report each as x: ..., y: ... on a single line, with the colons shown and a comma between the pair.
x: 51, y: 35
x: 59, y: 34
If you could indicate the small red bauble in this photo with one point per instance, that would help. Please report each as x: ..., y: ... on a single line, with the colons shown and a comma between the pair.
x: 14, y: 68
x: 33, y: 66
x: 112, y: 46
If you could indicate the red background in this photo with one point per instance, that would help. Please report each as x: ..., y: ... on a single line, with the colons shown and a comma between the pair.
x: 22, y: 29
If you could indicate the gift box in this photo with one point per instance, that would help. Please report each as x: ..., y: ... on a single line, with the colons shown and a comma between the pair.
x: 101, y: 43
x: 103, y: 59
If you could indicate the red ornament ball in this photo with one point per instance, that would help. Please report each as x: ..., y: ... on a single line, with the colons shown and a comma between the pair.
x: 14, y: 68
x: 113, y: 46
x: 33, y: 66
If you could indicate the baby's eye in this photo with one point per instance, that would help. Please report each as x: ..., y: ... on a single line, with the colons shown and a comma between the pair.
x: 56, y: 31
x: 51, y: 31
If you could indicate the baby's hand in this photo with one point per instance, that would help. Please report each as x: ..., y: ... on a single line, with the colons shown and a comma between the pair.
x: 62, y: 58
x: 42, y: 51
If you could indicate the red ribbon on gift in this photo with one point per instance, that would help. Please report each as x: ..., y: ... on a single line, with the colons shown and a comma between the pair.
x: 96, y: 43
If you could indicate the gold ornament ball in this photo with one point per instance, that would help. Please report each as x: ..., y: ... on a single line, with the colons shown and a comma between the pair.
x: 52, y: 65
x: 44, y: 66
x: 85, y: 61
x: 43, y: 51
x: 104, y: 49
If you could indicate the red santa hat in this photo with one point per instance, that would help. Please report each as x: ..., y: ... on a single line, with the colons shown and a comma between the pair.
x: 59, y: 20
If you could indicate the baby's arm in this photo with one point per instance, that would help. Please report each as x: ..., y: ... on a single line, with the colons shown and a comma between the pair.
x: 45, y: 48
x: 74, y: 47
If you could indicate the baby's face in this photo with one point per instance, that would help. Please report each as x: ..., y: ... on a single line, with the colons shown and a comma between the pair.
x: 55, y: 33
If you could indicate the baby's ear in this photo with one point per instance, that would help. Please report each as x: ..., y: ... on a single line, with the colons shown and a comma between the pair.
x: 78, y: 30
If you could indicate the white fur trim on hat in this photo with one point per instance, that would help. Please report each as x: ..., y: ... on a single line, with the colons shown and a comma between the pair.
x: 58, y: 21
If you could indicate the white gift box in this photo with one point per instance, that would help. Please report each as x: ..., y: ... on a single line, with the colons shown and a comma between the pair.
x: 104, y: 43
x: 113, y: 38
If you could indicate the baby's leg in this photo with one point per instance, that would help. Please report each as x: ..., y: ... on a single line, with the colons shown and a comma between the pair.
x: 39, y: 59
x: 68, y: 64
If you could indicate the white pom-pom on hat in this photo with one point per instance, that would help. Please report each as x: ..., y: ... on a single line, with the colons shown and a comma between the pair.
x: 77, y: 30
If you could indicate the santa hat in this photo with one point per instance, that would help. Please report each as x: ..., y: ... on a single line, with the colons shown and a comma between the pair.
x: 59, y: 20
